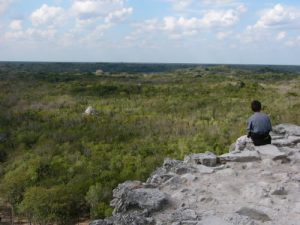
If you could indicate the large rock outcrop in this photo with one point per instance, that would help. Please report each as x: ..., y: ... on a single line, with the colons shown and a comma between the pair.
x: 248, y: 186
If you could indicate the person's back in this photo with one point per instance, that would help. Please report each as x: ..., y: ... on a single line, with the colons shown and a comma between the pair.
x: 259, y: 126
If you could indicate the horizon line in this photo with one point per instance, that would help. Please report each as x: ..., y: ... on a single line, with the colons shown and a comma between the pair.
x: 128, y: 62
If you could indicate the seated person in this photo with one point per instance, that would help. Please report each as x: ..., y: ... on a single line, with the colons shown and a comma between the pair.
x: 259, y: 126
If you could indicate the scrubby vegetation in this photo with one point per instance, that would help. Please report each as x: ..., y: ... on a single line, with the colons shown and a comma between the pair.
x: 58, y: 165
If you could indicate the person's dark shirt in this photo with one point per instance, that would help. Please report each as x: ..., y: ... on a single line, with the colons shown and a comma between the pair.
x: 259, y: 123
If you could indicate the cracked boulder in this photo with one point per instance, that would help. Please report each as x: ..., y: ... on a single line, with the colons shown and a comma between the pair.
x: 132, y: 196
x: 206, y: 159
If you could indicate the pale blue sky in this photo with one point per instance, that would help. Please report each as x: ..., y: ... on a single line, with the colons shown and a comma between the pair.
x: 185, y: 31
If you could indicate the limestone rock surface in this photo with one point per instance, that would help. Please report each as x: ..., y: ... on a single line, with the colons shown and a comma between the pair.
x: 135, y: 196
x: 247, y: 186
x: 206, y: 159
x: 244, y: 156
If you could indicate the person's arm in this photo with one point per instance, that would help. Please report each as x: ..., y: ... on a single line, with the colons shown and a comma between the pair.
x: 270, y: 124
x: 249, y: 127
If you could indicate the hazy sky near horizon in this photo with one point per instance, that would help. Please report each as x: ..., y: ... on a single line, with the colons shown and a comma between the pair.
x: 187, y: 31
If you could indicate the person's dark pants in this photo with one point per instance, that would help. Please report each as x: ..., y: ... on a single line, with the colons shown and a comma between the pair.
x: 260, y: 139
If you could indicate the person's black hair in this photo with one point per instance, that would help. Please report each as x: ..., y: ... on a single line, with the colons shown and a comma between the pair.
x: 256, y: 106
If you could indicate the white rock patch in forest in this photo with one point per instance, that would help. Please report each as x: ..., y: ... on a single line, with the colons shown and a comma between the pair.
x: 90, y: 111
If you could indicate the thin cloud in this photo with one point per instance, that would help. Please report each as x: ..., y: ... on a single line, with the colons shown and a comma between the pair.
x: 118, y: 15
x: 270, y: 24
x: 86, y: 9
x: 178, y: 27
x: 277, y: 17
x: 4, y: 5
x: 218, y: 1
x: 281, y: 35
x: 47, y: 15
x: 89, y: 17
x: 180, y: 5
x: 16, y: 25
